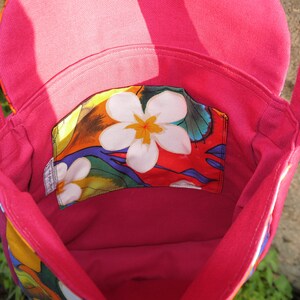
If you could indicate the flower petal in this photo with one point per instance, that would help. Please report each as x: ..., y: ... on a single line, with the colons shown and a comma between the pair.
x: 185, y: 184
x: 123, y: 106
x: 117, y: 137
x: 142, y: 157
x: 79, y: 169
x: 174, y: 139
x: 71, y: 193
x: 61, y: 171
x: 167, y: 107
x: 67, y: 292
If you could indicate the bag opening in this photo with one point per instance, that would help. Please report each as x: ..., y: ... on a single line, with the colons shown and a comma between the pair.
x: 152, y: 241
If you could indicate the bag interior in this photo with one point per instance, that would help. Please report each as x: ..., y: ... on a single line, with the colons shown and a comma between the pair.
x: 150, y: 242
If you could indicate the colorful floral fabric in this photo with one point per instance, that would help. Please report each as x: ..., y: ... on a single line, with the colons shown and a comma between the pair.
x: 141, y: 131
x: 140, y: 136
x: 67, y: 189
x: 35, y: 279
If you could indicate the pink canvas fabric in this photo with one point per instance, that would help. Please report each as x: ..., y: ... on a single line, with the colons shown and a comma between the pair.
x: 148, y: 243
x: 242, y: 35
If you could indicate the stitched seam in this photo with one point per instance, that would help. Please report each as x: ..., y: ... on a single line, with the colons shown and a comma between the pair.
x: 200, y: 61
x: 108, y: 62
x: 65, y: 73
x: 224, y: 142
x: 160, y: 55
x: 148, y: 245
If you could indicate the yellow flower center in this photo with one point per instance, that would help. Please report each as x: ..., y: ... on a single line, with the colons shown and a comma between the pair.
x: 145, y: 128
x: 60, y: 187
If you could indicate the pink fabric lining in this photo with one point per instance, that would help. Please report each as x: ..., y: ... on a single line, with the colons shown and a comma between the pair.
x: 240, y: 143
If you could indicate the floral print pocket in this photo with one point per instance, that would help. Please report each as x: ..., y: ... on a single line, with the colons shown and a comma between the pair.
x: 140, y: 136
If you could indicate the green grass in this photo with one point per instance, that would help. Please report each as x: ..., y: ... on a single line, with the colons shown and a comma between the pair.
x: 4, y: 104
x: 267, y: 282
x: 8, y: 289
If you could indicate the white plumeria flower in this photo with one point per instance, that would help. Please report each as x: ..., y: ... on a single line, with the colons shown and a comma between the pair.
x: 69, y: 295
x: 185, y: 184
x: 142, y: 131
x: 67, y: 189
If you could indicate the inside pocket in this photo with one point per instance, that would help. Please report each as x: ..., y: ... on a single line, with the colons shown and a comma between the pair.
x: 135, y: 137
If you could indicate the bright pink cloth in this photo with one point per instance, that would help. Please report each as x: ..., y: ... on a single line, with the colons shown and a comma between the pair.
x: 160, y: 243
x: 250, y: 35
